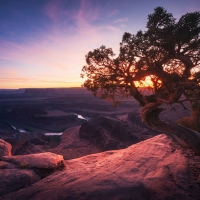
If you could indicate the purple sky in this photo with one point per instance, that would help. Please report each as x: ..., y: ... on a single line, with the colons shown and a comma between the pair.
x: 43, y: 43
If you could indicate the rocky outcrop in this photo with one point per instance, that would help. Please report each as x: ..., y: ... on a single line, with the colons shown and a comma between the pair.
x: 108, y: 133
x: 101, y: 134
x: 5, y: 148
x: 20, y: 171
x: 45, y: 160
x: 15, y: 179
x: 7, y: 165
x: 152, y: 169
x: 25, y: 147
x: 72, y: 146
x: 33, y: 137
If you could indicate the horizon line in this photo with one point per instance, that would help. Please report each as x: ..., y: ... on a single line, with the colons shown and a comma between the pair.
x: 40, y: 88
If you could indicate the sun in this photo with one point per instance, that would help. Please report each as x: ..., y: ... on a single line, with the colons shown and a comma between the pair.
x: 150, y: 81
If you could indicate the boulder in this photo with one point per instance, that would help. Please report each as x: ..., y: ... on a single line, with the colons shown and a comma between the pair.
x: 45, y: 160
x: 152, y: 169
x: 7, y: 165
x: 15, y: 179
x: 5, y: 148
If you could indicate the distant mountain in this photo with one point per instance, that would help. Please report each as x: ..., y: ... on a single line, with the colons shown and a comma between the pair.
x: 11, y: 91
x: 53, y: 91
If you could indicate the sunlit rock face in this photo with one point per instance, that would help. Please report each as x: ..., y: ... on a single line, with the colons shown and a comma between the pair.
x: 101, y: 134
x: 5, y: 148
x: 151, y: 169
x: 45, y: 160
x: 18, y: 172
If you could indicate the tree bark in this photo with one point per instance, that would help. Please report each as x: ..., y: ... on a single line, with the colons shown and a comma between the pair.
x: 184, y: 136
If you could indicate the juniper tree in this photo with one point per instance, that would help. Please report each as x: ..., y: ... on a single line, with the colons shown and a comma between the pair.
x: 168, y: 54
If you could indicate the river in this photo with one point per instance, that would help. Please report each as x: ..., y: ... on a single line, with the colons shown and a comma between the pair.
x: 50, y: 134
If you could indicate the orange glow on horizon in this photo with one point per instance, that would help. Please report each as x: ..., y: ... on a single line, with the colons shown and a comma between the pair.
x: 147, y: 82
x: 18, y: 85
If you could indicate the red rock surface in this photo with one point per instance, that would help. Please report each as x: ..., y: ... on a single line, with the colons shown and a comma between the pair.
x: 45, y: 160
x: 15, y: 179
x: 150, y: 170
x: 100, y: 134
x: 72, y: 146
x: 7, y: 165
x: 5, y: 148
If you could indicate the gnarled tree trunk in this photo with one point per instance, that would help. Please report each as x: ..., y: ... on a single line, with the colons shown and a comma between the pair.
x: 182, y: 135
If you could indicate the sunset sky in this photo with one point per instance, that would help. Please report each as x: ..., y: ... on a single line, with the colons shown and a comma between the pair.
x: 43, y: 43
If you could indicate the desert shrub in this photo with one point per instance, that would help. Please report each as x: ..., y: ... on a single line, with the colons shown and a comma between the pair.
x: 186, y: 121
x: 196, y: 108
x: 23, y: 164
x: 192, y: 122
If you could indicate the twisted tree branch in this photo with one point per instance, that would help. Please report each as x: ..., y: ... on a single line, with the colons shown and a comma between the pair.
x: 182, y: 135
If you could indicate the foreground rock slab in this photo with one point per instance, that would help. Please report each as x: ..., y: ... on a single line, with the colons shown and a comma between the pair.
x: 45, y: 160
x: 148, y: 170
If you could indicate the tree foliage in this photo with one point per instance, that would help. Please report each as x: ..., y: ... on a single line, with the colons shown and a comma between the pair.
x: 168, y: 53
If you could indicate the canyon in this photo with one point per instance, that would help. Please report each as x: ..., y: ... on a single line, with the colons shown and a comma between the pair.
x: 66, y: 144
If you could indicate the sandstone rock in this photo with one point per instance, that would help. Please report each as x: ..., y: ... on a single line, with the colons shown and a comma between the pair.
x: 7, y: 165
x: 147, y: 170
x: 25, y: 147
x: 101, y: 134
x: 45, y: 160
x: 109, y: 134
x: 72, y: 146
x: 35, y: 138
x: 14, y: 179
x: 5, y: 148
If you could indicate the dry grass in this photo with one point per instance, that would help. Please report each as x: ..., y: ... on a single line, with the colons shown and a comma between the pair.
x: 192, y: 122
x: 24, y: 164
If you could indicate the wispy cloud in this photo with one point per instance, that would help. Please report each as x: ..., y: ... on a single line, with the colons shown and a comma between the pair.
x: 113, y: 12
x: 16, y: 79
x: 121, y: 20
x: 52, y: 10
x: 55, y: 55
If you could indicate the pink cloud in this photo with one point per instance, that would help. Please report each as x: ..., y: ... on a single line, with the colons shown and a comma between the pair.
x: 52, y: 9
x: 56, y: 57
x: 85, y: 15
x: 17, y: 79
x: 7, y: 71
